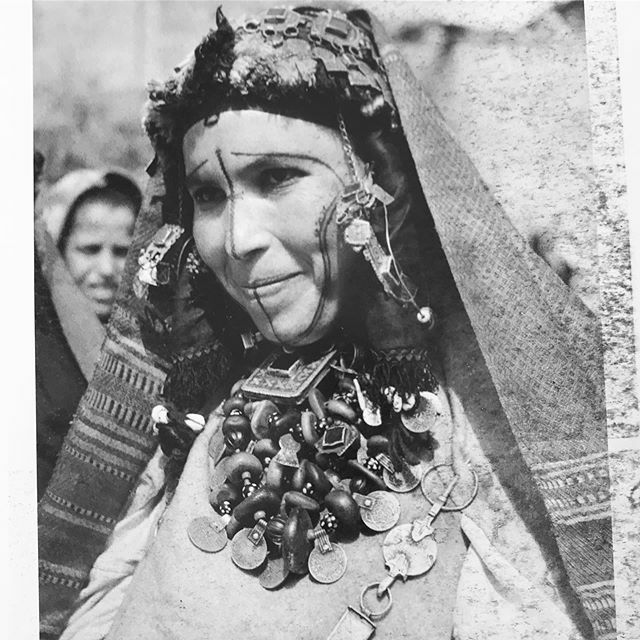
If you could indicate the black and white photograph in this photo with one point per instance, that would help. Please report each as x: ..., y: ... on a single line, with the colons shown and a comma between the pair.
x: 332, y: 328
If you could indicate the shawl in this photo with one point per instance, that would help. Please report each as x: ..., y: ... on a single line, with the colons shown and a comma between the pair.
x: 540, y: 346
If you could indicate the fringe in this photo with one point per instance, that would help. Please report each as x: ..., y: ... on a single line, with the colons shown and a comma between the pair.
x: 193, y: 375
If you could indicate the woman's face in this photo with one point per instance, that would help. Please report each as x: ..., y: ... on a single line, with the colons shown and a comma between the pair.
x: 96, y: 250
x: 265, y: 189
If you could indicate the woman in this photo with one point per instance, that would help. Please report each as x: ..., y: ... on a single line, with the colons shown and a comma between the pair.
x: 83, y: 229
x: 317, y: 217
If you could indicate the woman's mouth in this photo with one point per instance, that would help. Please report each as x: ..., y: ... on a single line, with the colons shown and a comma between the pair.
x: 272, y: 282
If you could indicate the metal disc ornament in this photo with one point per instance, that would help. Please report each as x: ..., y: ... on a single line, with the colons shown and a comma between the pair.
x: 424, y: 417
x: 207, y: 534
x: 246, y: 553
x: 327, y: 567
x: 421, y: 555
x: 436, y: 478
x: 274, y: 574
x: 380, y: 510
x: 403, y: 480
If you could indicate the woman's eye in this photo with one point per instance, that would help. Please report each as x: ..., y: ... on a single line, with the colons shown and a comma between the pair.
x: 280, y: 176
x: 208, y: 195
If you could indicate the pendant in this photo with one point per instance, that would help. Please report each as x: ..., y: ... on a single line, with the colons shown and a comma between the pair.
x: 327, y: 561
x: 424, y: 417
x: 248, y: 548
x: 379, y: 510
x: 208, y: 534
x: 420, y: 555
x: 402, y: 480
x: 370, y: 412
x: 288, y: 454
x: 353, y: 625
x: 274, y: 574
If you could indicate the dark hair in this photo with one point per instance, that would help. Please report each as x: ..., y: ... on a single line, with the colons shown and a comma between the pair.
x: 120, y: 191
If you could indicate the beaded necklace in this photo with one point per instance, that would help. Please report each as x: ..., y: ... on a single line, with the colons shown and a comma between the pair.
x: 314, y: 450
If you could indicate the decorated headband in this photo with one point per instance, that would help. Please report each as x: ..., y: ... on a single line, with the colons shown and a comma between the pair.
x: 292, y: 61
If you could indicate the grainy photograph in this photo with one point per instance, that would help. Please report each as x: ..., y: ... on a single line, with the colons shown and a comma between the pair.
x: 333, y: 322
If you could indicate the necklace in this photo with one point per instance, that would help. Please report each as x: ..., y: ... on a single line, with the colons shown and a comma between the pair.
x: 311, y: 459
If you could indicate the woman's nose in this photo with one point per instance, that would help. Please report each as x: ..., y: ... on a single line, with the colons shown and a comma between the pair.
x: 107, y: 263
x: 247, y: 234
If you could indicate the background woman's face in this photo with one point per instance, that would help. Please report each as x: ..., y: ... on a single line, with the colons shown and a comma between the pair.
x: 96, y: 250
x: 265, y: 188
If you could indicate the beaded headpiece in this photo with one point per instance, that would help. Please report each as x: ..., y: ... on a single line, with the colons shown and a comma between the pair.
x: 291, y: 61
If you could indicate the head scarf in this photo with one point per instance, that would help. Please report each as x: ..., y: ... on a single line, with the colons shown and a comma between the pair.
x: 539, y: 343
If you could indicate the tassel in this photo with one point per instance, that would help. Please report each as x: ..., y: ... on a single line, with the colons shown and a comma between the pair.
x: 194, y: 375
x: 408, y: 370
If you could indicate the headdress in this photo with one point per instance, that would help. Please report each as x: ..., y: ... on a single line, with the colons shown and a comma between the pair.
x: 540, y: 344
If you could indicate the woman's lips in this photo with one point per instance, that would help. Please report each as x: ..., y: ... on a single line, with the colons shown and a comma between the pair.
x: 270, y: 284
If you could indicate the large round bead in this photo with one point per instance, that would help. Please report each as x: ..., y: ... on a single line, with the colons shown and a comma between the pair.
x: 345, y: 509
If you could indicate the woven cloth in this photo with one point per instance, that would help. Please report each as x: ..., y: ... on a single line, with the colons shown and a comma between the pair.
x: 540, y: 343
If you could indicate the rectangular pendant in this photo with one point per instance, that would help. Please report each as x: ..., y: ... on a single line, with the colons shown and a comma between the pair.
x: 286, y: 382
x: 353, y: 625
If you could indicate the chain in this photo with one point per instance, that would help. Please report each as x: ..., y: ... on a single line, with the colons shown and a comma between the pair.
x: 348, y: 148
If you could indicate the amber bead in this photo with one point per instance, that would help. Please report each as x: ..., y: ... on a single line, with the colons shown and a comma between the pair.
x: 262, y: 499
x: 345, y: 509
x: 296, y: 545
x: 263, y: 410
x: 284, y: 424
x: 243, y: 462
x: 233, y: 403
x: 226, y: 493
x: 265, y: 450
x: 277, y: 476
x: 341, y: 409
x: 310, y: 473
x: 292, y: 499
x: 358, y: 485
x: 317, y: 403
x: 377, y: 444
x: 236, y: 422
x: 308, y: 427
x: 236, y: 440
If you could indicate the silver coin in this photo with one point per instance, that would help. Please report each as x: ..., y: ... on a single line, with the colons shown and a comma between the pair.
x: 327, y: 567
x: 274, y: 574
x: 424, y: 417
x: 437, y: 477
x: 380, y: 510
x: 246, y: 553
x: 207, y: 534
x: 404, y: 479
x: 421, y: 555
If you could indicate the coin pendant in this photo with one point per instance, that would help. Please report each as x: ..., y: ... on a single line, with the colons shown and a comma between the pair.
x: 421, y: 555
x: 402, y: 480
x: 424, y: 417
x: 245, y: 553
x: 327, y: 567
x: 207, y: 534
x: 437, y: 477
x: 380, y: 510
x: 274, y: 574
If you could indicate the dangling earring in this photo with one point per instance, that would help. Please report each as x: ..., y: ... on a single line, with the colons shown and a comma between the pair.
x: 359, y: 199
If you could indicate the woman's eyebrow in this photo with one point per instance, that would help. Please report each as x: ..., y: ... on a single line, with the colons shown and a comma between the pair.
x: 282, y: 154
x: 192, y: 173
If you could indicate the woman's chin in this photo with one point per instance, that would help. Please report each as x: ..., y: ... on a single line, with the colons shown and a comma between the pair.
x: 289, y: 331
